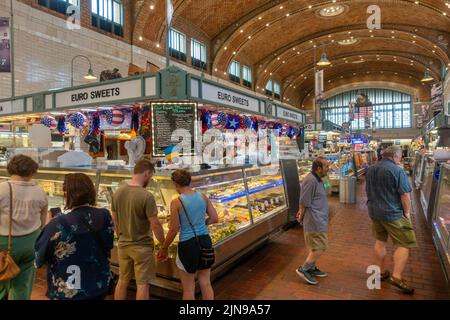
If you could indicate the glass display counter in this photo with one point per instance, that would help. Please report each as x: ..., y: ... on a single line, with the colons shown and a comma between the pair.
x: 250, y: 201
x: 363, y: 159
x: 425, y: 193
x: 441, y: 219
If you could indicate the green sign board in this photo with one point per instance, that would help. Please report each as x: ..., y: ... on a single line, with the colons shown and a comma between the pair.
x: 168, y: 117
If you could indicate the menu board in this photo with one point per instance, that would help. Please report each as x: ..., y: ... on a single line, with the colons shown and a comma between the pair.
x: 168, y: 117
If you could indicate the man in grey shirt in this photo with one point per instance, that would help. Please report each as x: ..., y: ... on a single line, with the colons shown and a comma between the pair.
x: 314, y: 214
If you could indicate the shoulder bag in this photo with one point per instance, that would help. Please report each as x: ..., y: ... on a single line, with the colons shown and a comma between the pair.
x: 207, y: 255
x: 8, y: 268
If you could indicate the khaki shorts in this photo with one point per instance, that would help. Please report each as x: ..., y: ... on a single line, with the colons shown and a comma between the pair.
x: 316, y: 241
x: 137, y: 261
x: 400, y: 231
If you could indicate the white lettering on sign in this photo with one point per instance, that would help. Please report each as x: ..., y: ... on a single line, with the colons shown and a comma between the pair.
x: 227, y: 97
x: 288, y: 114
x: 100, y: 94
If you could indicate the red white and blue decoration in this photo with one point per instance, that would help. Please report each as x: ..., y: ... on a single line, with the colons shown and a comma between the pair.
x: 134, y: 126
x: 222, y: 118
x: 61, y: 126
x: 49, y: 122
x: 77, y: 120
x: 95, y: 124
x: 205, y: 117
x: 234, y: 122
x: 247, y: 122
x: 115, y: 118
x: 214, y: 120
x: 262, y: 124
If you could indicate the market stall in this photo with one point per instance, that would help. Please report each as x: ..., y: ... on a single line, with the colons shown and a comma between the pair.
x: 102, y: 129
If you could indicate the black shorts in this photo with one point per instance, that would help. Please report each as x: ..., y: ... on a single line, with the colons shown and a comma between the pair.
x: 189, y: 254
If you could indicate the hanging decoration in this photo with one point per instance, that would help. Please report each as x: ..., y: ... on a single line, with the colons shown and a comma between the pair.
x: 205, y: 118
x: 117, y: 117
x: 95, y: 123
x: 77, y: 120
x: 134, y: 125
x: 145, y: 130
x: 262, y: 124
x: 108, y: 115
x: 61, y: 126
x: 290, y: 132
x: 255, y: 124
x: 222, y: 118
x: 49, y: 122
x: 214, y: 120
x: 277, y: 126
x: 234, y: 122
x: 247, y: 122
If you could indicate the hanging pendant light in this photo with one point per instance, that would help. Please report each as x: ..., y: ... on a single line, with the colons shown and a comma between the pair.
x: 90, y: 75
x: 323, y: 62
x: 427, y: 77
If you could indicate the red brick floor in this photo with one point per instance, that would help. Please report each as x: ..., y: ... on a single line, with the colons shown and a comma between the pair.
x: 269, y: 273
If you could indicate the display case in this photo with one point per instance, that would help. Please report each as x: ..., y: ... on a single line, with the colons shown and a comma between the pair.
x: 250, y: 201
x: 428, y: 175
x: 304, y: 167
x: 441, y: 219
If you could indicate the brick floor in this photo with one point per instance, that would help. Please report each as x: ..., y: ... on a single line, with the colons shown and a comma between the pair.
x: 269, y: 273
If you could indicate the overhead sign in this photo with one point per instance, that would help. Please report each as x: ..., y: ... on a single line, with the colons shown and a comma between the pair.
x: 230, y: 98
x: 5, y: 45
x: 100, y: 94
x: 288, y: 114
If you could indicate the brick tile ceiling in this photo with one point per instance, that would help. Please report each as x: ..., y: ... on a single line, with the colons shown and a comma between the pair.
x: 283, y: 37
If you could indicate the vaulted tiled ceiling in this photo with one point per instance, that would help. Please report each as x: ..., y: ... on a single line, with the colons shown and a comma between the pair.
x: 283, y: 39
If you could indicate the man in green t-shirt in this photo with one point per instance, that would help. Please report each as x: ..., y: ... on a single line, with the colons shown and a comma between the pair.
x: 135, y: 217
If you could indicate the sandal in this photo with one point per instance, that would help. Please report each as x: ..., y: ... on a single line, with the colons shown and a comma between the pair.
x: 401, y: 284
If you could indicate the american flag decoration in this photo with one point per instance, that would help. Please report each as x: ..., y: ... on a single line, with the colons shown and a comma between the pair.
x: 117, y: 117
x: 49, y: 122
x: 262, y: 124
x: 364, y: 112
x: 108, y: 115
x: 222, y: 118
x: 283, y: 130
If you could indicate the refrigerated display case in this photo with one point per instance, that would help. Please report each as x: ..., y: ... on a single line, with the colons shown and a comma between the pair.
x: 250, y: 201
x: 441, y: 220
x: 420, y: 171
x: 429, y: 186
x: 363, y: 159
x: 304, y: 167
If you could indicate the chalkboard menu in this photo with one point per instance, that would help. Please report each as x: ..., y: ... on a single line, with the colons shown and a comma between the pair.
x: 168, y: 117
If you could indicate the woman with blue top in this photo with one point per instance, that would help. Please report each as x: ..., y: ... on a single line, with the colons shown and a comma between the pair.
x: 189, y: 215
x: 76, y: 246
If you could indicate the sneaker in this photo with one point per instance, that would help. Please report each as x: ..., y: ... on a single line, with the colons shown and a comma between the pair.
x: 401, y: 284
x: 317, y: 273
x: 306, y: 275
x: 385, y: 275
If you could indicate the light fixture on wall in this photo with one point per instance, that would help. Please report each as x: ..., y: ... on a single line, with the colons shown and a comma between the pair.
x: 427, y: 77
x: 90, y: 74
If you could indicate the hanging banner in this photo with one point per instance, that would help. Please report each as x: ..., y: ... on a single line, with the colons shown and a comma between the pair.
x: 5, y: 45
x: 319, y: 86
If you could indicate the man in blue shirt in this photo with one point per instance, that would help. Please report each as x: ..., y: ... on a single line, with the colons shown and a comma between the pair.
x: 389, y: 203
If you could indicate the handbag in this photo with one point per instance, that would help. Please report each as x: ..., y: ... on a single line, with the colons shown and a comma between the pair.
x: 207, y: 254
x: 8, y: 268
x: 101, y: 244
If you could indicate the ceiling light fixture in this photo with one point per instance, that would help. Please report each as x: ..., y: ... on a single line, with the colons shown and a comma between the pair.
x: 323, y: 62
x: 347, y: 42
x: 332, y: 11
x: 427, y: 77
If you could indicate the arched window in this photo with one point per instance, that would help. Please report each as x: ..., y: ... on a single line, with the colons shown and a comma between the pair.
x: 390, y: 109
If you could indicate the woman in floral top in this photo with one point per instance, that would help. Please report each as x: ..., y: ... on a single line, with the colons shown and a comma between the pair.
x: 76, y: 254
